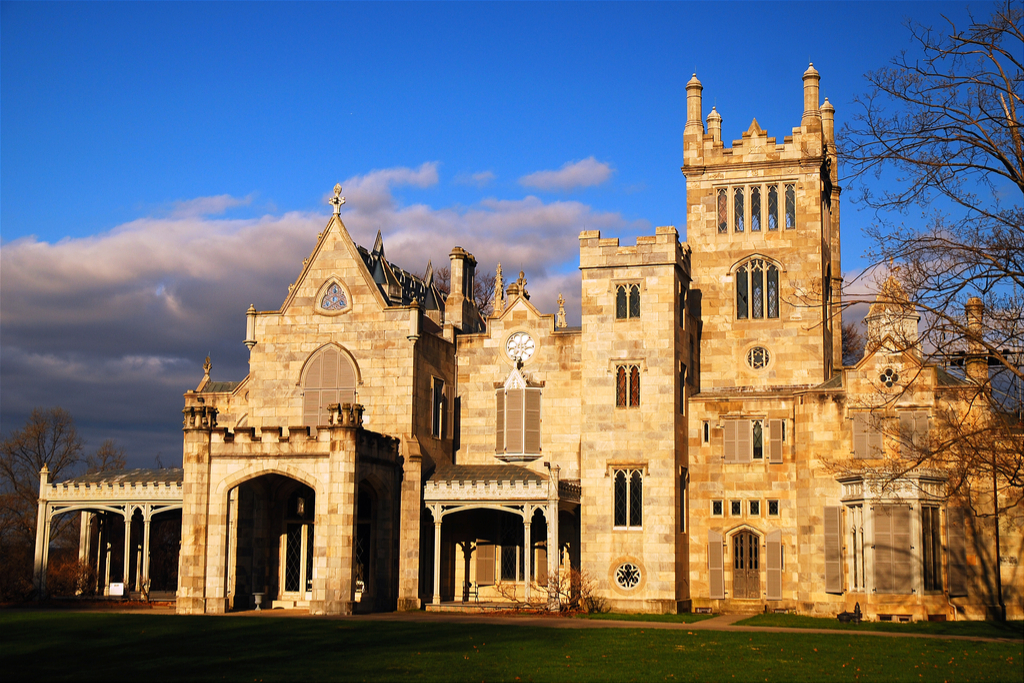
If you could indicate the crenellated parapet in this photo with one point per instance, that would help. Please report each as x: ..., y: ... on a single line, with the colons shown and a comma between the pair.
x: 661, y: 248
x: 199, y: 417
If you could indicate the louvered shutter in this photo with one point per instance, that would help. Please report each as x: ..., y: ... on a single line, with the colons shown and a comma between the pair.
x: 540, y: 566
x: 346, y: 381
x: 903, y: 552
x: 514, y: 421
x: 775, y: 441
x: 833, y: 549
x: 958, y: 570
x: 874, y: 440
x: 484, y: 564
x: 532, y: 421
x: 499, y: 421
x: 921, y: 429
x: 774, y: 568
x: 716, y: 566
x: 860, y: 435
x: 882, y: 518
x: 730, y: 440
x: 907, y: 435
x: 743, y: 441
x: 311, y: 393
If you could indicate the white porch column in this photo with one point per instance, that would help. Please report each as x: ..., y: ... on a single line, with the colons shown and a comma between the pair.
x: 84, y: 536
x: 147, y: 515
x: 527, y: 559
x: 554, y: 579
x: 42, y: 534
x: 126, y: 576
x: 437, y: 556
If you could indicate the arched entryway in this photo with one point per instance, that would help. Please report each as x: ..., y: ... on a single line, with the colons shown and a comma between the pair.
x: 270, y: 543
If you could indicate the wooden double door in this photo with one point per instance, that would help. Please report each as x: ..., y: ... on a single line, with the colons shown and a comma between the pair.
x: 746, y: 566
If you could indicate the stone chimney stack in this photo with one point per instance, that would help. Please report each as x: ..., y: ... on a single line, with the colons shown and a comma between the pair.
x: 976, y: 363
x: 828, y: 123
x: 460, y: 298
x: 693, y: 134
x: 812, y: 115
x: 715, y: 125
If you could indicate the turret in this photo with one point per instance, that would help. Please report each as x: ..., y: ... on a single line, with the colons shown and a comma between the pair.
x: 828, y: 124
x: 715, y: 125
x: 812, y: 115
x: 694, y: 131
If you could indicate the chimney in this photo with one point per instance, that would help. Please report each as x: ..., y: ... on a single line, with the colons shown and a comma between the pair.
x: 694, y: 131
x: 812, y: 115
x: 828, y: 123
x: 715, y: 125
x: 460, y: 298
x: 976, y: 364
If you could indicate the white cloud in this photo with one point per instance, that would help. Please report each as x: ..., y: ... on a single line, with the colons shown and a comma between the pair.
x: 208, y: 206
x: 573, y: 175
x: 481, y: 179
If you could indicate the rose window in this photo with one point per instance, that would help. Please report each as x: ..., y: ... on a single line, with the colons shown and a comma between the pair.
x: 627, y: 575
x: 334, y: 299
x: 889, y: 377
x: 758, y: 357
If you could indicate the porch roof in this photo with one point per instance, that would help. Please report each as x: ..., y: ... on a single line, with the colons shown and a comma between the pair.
x: 485, y: 482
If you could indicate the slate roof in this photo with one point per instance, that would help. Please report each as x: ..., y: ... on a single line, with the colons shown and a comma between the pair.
x: 473, y: 473
x: 166, y: 475
x: 219, y: 386
x: 391, y: 279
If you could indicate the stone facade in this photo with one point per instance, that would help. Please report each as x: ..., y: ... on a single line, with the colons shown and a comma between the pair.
x: 696, y: 444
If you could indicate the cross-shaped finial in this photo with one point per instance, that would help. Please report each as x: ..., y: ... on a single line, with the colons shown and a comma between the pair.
x: 337, y: 199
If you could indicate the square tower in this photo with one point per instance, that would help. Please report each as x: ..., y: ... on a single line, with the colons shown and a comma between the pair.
x: 763, y: 223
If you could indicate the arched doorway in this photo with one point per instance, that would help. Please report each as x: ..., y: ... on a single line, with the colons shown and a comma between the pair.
x: 270, y: 542
x: 746, y: 566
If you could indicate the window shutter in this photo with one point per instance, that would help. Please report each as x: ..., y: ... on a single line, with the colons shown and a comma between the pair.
x: 775, y: 441
x: 742, y: 440
x: 311, y: 407
x: 903, y: 560
x: 730, y: 440
x: 346, y: 382
x: 540, y: 565
x: 716, y: 566
x: 774, y: 565
x: 330, y: 368
x: 907, y: 434
x: 833, y: 549
x: 327, y: 397
x: 484, y: 563
x: 882, y: 518
x: 921, y: 428
x: 874, y: 441
x: 958, y: 571
x: 532, y: 432
x: 860, y: 435
x: 514, y: 421
x: 499, y: 421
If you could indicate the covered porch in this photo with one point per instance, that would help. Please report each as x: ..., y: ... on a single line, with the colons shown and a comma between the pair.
x: 505, y: 536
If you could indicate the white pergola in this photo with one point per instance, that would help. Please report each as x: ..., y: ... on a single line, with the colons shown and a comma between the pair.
x: 119, y: 492
x: 507, y: 488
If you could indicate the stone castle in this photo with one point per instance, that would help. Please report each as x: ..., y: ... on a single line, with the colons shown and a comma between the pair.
x: 697, y: 444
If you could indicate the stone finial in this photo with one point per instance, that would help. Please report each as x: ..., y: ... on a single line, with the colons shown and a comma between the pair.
x: 694, y: 124
x: 828, y: 122
x: 499, y: 290
x: 207, y: 366
x: 337, y: 200
x: 812, y: 115
x: 521, y: 285
x: 560, y: 320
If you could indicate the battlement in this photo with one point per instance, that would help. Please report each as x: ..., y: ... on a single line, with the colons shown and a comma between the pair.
x: 661, y: 248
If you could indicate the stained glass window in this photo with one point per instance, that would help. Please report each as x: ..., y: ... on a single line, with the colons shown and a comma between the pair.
x: 757, y: 290
x: 334, y: 299
x: 629, y: 498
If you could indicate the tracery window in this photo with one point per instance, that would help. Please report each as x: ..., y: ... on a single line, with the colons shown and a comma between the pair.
x: 737, y: 217
x: 627, y: 301
x: 334, y: 299
x: 627, y: 386
x: 723, y: 210
x: 773, y: 207
x: 629, y: 498
x: 757, y: 290
x: 790, y: 206
x: 758, y: 358
x: 627, y: 576
x: 755, y: 209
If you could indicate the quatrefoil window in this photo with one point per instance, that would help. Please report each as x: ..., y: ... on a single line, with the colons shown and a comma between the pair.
x: 889, y: 377
x: 334, y: 299
x: 627, y: 576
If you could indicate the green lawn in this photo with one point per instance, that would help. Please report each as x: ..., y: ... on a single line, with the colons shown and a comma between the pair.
x: 684, y: 618
x: 111, y: 647
x: 984, y: 629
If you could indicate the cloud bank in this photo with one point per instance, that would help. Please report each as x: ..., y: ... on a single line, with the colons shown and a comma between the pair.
x: 114, y: 327
x: 572, y: 176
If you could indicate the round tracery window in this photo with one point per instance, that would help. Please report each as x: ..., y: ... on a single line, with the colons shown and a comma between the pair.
x: 758, y: 357
x: 889, y: 377
x: 627, y: 575
x: 334, y: 299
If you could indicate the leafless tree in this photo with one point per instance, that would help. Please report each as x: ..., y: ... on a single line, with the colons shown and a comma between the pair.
x: 853, y: 343
x: 109, y: 456
x: 939, y: 130
x: 483, y: 288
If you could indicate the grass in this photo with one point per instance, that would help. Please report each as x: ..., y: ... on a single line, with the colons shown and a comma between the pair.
x: 637, y: 616
x: 112, y: 647
x: 982, y: 629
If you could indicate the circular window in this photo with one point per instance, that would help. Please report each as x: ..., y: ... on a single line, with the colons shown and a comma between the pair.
x: 520, y: 347
x: 889, y: 377
x: 627, y: 575
x: 758, y: 357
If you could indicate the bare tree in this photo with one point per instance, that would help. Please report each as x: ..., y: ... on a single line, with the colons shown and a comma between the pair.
x: 483, y: 288
x: 109, y: 456
x: 853, y: 343
x: 940, y: 127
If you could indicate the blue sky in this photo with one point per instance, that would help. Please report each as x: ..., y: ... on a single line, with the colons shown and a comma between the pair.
x: 163, y: 165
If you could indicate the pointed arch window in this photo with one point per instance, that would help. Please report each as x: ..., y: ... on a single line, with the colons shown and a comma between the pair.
x: 755, y: 209
x: 723, y: 210
x: 330, y: 377
x: 627, y: 386
x: 737, y: 217
x: 757, y: 290
x: 773, y: 207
